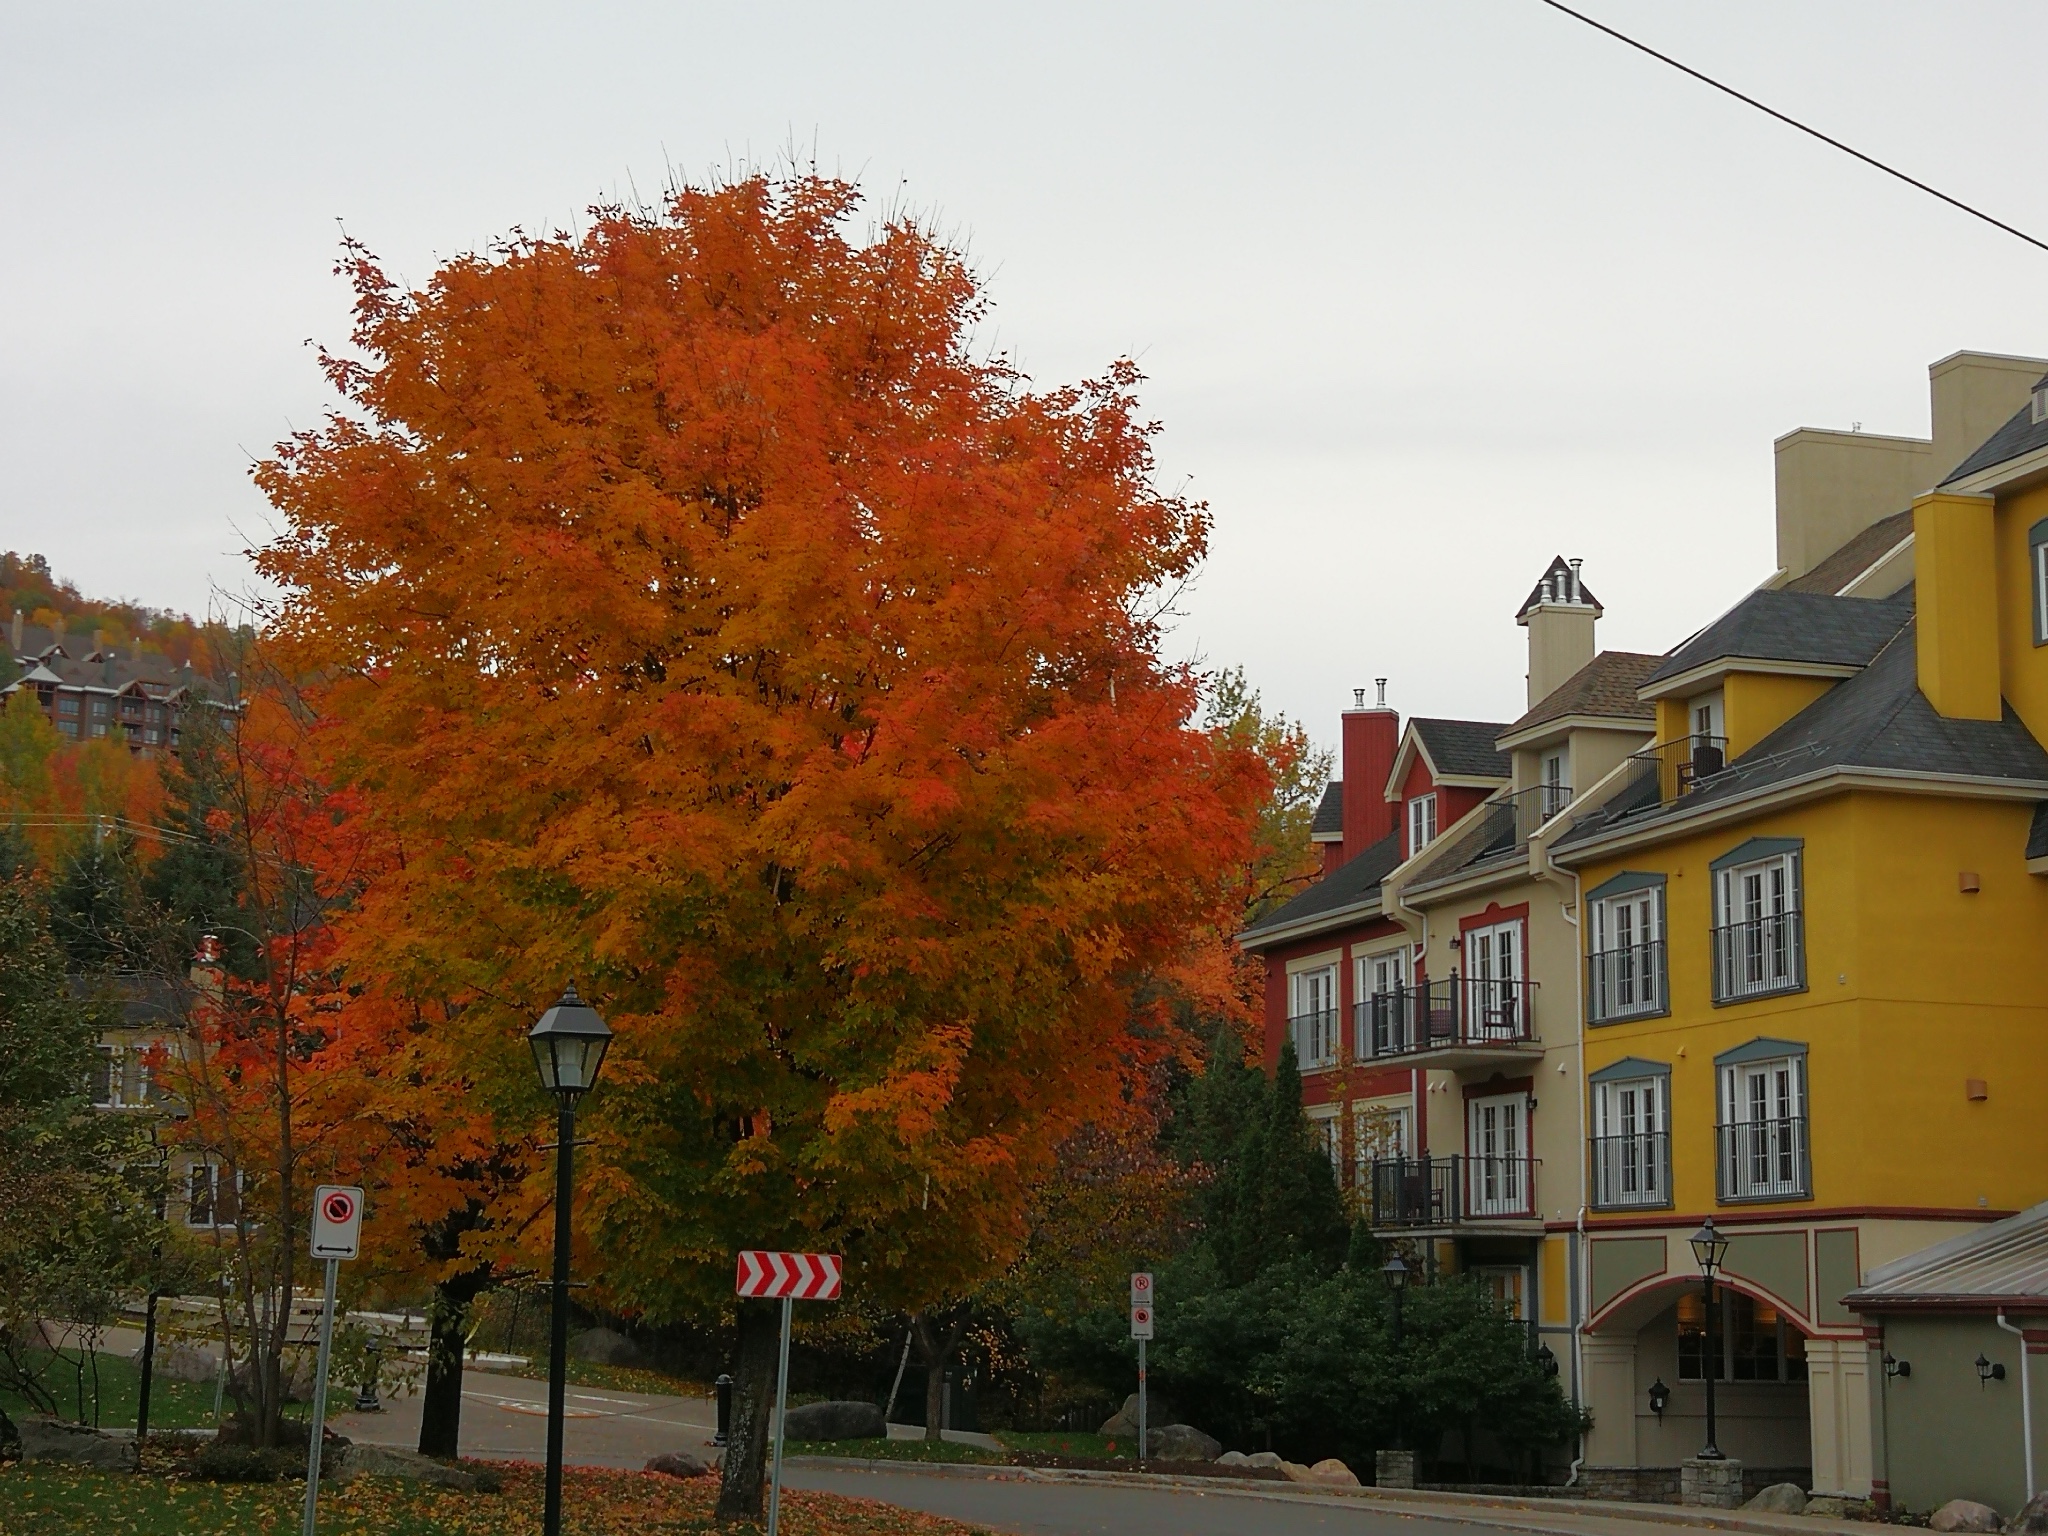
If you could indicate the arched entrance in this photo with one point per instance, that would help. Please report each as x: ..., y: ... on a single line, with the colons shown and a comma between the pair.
x: 1656, y: 1335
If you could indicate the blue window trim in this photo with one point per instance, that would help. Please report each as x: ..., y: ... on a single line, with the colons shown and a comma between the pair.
x: 1630, y: 1069
x: 1625, y: 882
x: 1763, y: 1048
x: 1757, y: 848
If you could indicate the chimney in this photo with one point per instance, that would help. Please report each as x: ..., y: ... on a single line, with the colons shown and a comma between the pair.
x: 1833, y: 485
x: 1955, y: 601
x: 1371, y: 736
x: 1970, y: 396
x: 1559, y: 616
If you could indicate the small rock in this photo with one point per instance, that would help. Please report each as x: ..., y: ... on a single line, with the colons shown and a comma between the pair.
x: 678, y: 1464
x: 1182, y: 1442
x: 834, y: 1421
x: 1965, y: 1515
x: 383, y: 1461
x: 1780, y: 1499
x: 1333, y: 1472
x: 1268, y: 1459
x: 51, y: 1440
x: 605, y: 1346
x: 1827, y: 1507
x: 1124, y: 1422
x: 1233, y: 1459
x: 2032, y: 1518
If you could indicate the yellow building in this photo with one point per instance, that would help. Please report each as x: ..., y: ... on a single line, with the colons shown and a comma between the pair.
x: 1811, y: 921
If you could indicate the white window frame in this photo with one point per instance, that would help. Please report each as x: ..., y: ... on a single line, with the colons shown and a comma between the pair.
x: 1421, y: 822
x: 1760, y: 943
x: 1554, y: 781
x: 1381, y: 973
x: 1497, y: 1171
x: 1509, y: 1284
x: 2037, y: 560
x: 1493, y: 965
x: 1764, y: 1146
x: 1627, y: 978
x: 1312, y: 1016
x: 1631, y: 1151
x: 1380, y: 1132
x: 1327, y: 1126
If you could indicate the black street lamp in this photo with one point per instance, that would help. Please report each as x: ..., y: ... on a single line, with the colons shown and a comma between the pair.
x: 1709, y: 1248
x: 1397, y: 1280
x: 568, y: 1047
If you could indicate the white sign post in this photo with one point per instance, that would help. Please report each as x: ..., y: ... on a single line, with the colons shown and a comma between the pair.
x: 793, y: 1277
x: 1141, y: 1330
x: 337, y: 1235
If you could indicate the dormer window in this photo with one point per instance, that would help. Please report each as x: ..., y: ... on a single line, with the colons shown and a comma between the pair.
x: 2037, y: 410
x: 1421, y: 823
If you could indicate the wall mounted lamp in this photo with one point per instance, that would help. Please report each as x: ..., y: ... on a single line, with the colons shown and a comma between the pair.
x: 1660, y: 1396
x: 1989, y: 1370
x: 1894, y: 1367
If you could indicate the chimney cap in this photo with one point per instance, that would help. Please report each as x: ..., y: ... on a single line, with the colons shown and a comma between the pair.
x: 1560, y: 587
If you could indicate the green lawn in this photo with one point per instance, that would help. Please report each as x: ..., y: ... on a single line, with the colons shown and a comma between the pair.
x: 607, y: 1378
x: 172, y: 1404
x: 1067, y: 1442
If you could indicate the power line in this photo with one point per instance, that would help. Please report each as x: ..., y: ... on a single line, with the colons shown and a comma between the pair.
x: 1665, y: 58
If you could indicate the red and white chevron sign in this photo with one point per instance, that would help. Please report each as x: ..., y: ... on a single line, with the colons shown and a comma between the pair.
x: 803, y: 1276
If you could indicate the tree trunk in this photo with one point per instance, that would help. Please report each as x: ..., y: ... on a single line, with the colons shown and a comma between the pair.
x: 753, y: 1406
x: 937, y: 1348
x: 441, y: 1404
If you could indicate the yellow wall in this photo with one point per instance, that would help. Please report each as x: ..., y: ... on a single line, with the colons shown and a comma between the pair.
x: 2023, y: 665
x: 1912, y: 988
x: 1956, y: 595
x: 1754, y: 704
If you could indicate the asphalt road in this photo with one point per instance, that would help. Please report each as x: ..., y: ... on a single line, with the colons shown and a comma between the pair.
x: 1099, y: 1509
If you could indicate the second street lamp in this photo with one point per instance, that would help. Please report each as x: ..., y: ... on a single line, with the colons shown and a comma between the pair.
x: 1709, y: 1248
x: 568, y: 1044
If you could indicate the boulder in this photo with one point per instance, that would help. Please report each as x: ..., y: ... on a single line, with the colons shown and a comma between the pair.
x: 52, y: 1440
x: 356, y: 1461
x: 1827, y: 1507
x: 2033, y: 1517
x: 182, y: 1362
x: 1333, y: 1473
x: 1123, y: 1423
x: 1965, y: 1515
x: 1267, y: 1459
x: 605, y: 1346
x: 1780, y: 1499
x: 834, y: 1421
x: 1181, y: 1442
x: 1233, y: 1459
x: 680, y: 1464
x: 1296, y: 1472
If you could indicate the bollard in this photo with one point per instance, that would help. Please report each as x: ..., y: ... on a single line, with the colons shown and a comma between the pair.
x: 724, y: 1390
x: 366, y: 1395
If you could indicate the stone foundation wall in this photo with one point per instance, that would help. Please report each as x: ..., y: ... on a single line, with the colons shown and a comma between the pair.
x: 1660, y: 1485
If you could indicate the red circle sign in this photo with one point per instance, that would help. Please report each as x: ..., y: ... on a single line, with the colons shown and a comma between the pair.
x: 339, y: 1208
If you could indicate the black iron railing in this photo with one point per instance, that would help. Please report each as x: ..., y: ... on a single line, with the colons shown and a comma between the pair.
x: 1632, y: 1170
x: 1443, y: 1191
x: 1763, y: 1159
x: 1315, y: 1039
x: 1625, y: 983
x: 1439, y: 1015
x: 1757, y: 958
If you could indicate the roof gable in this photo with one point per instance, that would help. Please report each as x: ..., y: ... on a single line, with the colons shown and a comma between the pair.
x: 1607, y: 687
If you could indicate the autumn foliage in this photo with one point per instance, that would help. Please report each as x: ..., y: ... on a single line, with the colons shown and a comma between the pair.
x: 700, y: 616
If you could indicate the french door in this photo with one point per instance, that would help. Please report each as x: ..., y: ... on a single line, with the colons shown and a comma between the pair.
x: 1495, y: 997
x: 1497, y: 1159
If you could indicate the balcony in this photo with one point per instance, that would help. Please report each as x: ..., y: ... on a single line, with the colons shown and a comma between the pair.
x: 1454, y: 1191
x: 1630, y: 1172
x: 1626, y: 983
x: 1315, y: 1039
x: 1761, y: 957
x: 1763, y: 1160
x: 1458, y: 1021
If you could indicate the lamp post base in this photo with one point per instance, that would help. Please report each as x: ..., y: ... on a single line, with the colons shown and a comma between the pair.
x: 1710, y: 1483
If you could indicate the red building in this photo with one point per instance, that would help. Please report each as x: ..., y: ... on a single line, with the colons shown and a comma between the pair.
x: 1333, y: 948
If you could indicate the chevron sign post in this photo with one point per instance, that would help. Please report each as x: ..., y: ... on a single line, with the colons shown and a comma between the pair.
x: 796, y: 1276
x: 791, y: 1277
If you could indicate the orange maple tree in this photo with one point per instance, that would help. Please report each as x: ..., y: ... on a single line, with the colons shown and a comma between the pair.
x: 703, y: 617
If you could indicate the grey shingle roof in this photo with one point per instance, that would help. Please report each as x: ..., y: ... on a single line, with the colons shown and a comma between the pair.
x: 2020, y: 435
x: 1329, y: 811
x: 1855, y: 557
x: 1491, y: 835
x: 1877, y: 719
x: 2006, y: 1261
x: 1464, y: 747
x: 1351, y: 882
x: 1606, y: 685
x: 1792, y: 626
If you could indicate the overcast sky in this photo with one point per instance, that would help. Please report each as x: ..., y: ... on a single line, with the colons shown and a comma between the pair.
x: 1426, y: 291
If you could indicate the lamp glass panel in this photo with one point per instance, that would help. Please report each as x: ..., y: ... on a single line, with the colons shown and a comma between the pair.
x: 544, y: 1061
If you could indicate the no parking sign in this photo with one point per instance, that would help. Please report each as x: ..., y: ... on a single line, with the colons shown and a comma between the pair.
x: 337, y: 1221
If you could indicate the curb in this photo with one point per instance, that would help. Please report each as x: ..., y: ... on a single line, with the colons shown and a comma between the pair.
x: 1407, y: 1501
